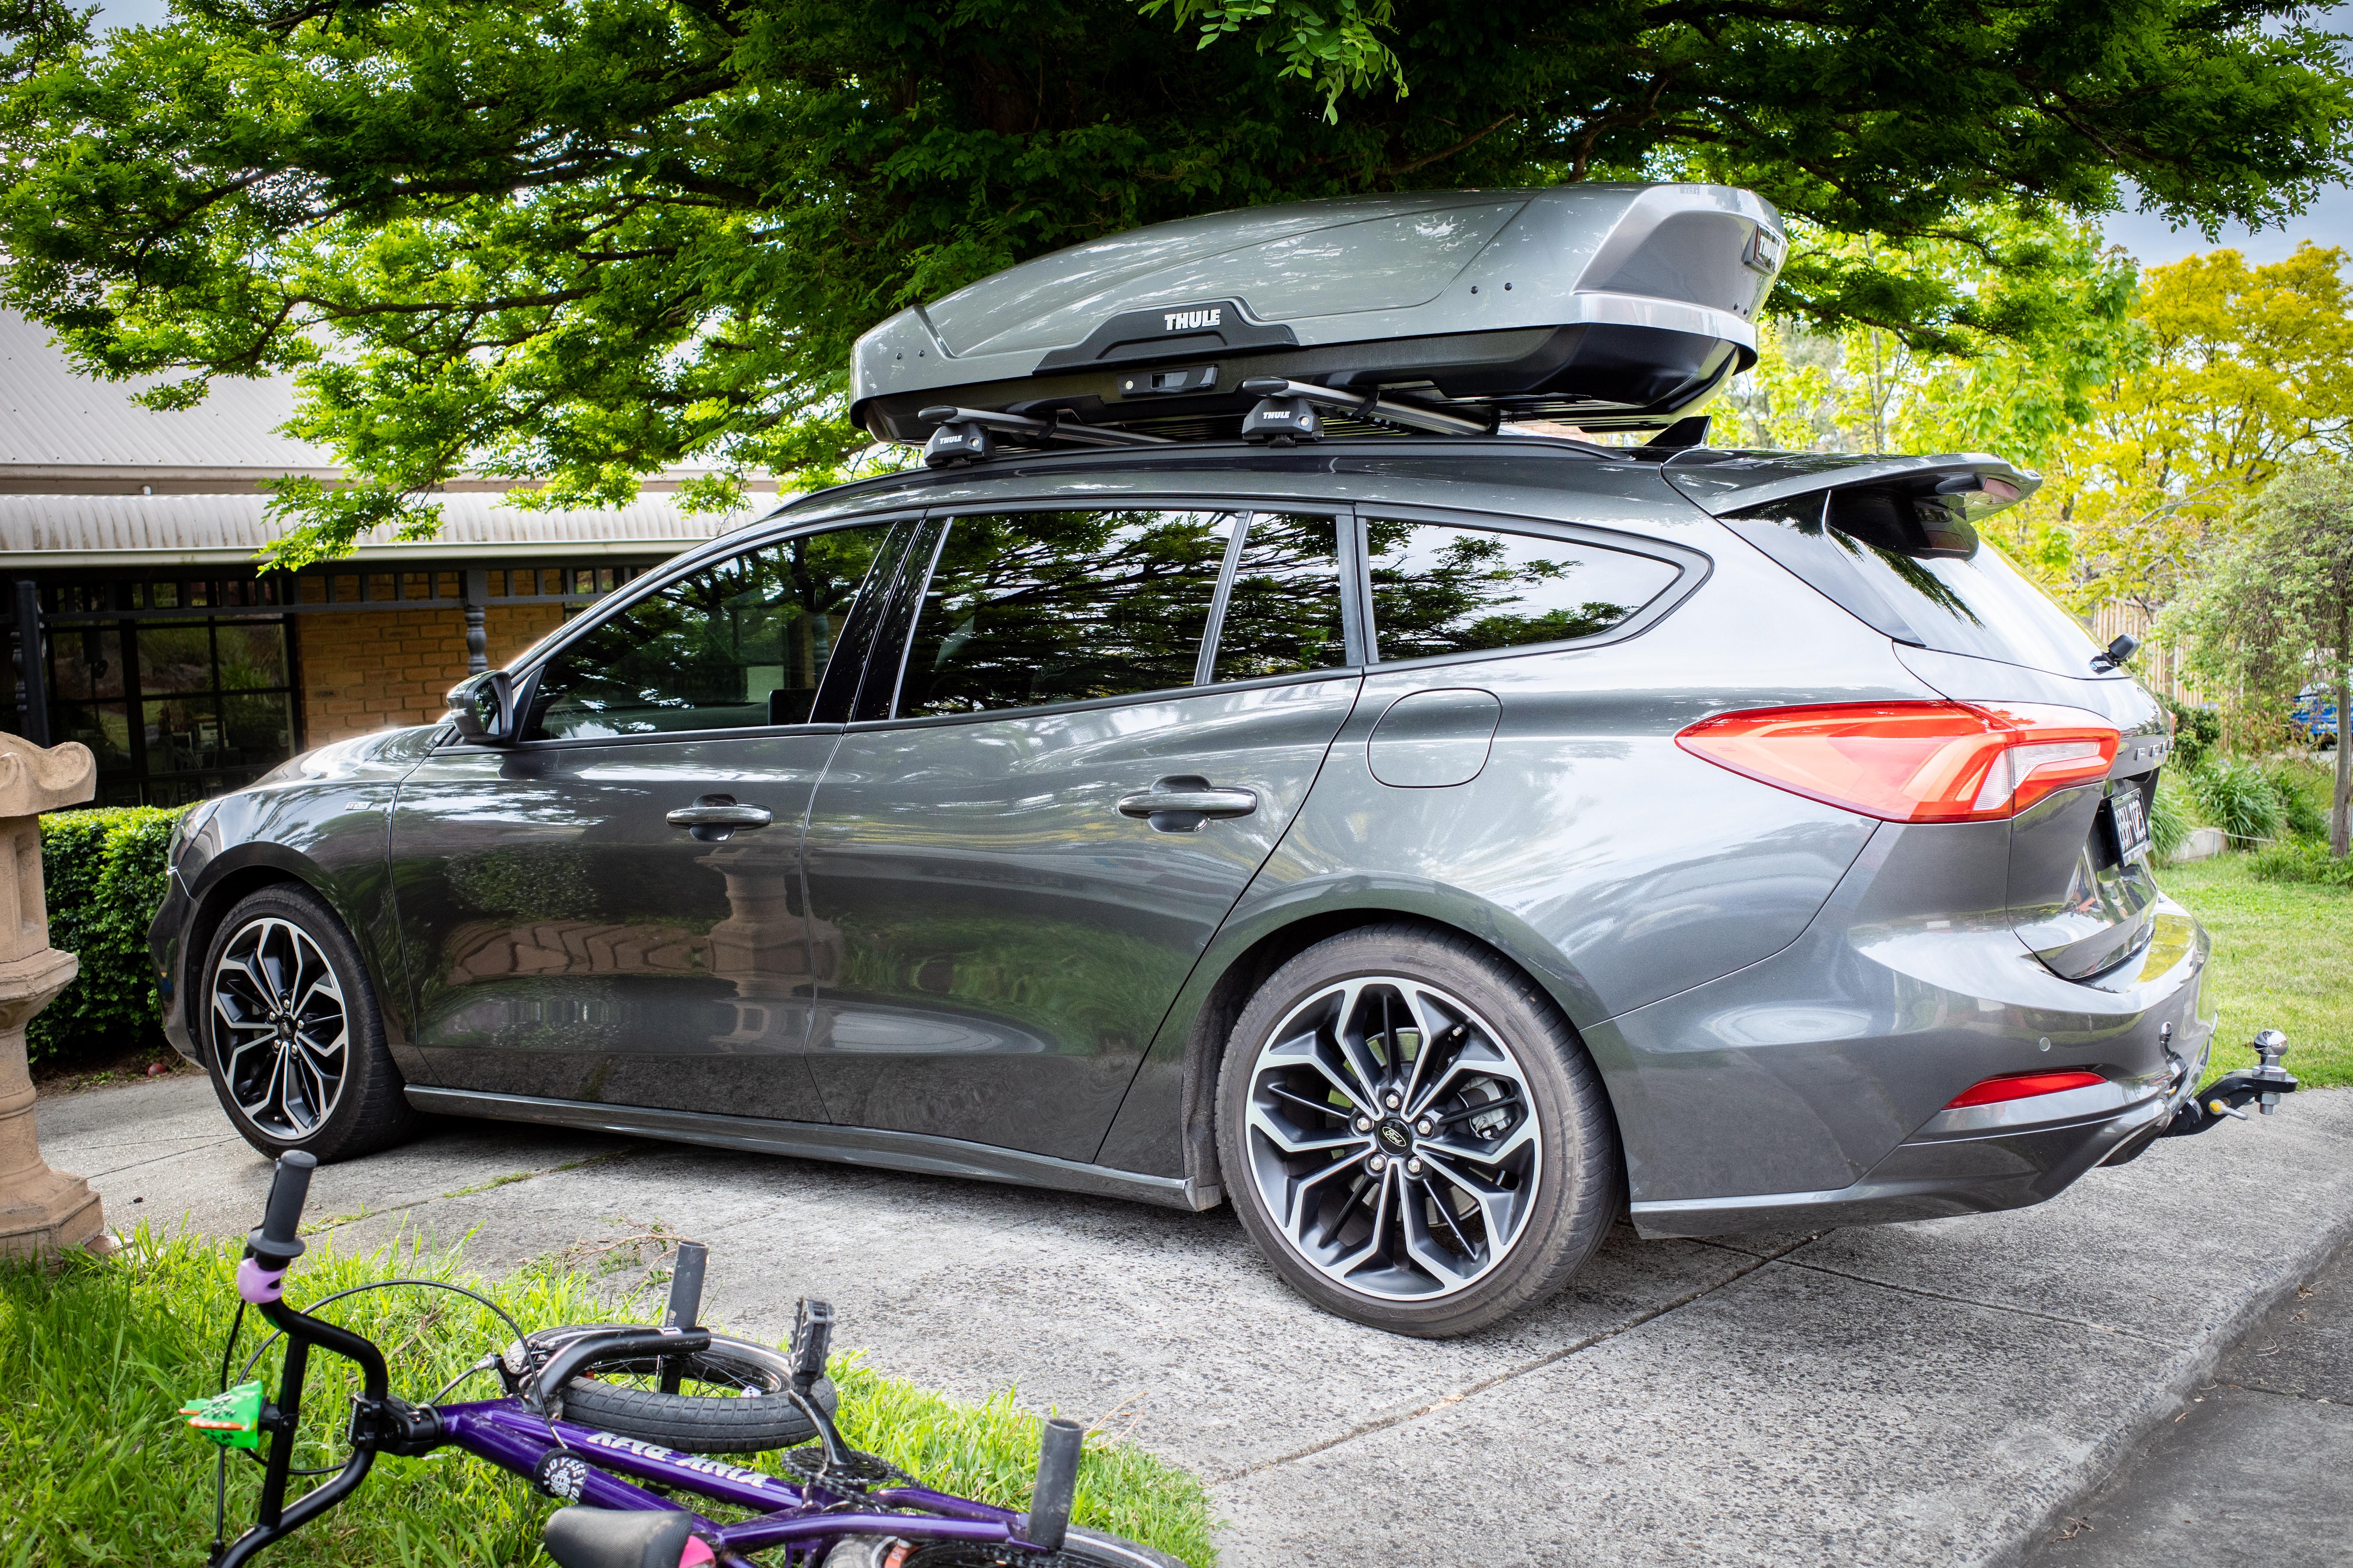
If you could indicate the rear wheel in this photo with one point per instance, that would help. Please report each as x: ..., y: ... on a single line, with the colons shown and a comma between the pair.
x: 1413, y: 1134
x: 293, y: 1040
x: 729, y: 1398
x: 1081, y: 1549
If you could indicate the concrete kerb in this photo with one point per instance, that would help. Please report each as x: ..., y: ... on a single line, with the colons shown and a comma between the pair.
x: 2160, y: 1401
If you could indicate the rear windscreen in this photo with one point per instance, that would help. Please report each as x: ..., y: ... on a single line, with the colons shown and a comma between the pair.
x: 1915, y: 569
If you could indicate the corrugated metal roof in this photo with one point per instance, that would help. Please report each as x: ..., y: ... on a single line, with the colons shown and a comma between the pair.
x: 49, y: 415
x: 45, y: 532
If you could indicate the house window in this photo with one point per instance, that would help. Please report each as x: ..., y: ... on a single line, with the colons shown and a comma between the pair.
x: 174, y: 710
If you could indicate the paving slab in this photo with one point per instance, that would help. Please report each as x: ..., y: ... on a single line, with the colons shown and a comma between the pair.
x: 1932, y: 1393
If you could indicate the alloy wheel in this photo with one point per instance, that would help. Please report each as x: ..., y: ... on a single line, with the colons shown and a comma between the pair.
x: 1393, y: 1139
x: 280, y: 1032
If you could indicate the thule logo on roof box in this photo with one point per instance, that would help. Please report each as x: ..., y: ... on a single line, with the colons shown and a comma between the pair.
x: 1192, y: 321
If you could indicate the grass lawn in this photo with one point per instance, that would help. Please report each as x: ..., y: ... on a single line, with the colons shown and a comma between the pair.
x: 96, y: 1467
x: 2283, y: 960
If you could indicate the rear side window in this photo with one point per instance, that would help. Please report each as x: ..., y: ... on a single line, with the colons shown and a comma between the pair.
x: 739, y: 643
x: 1033, y: 608
x: 1439, y: 588
x: 1915, y: 568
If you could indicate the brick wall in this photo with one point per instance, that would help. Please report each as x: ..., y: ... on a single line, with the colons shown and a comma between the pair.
x: 380, y: 668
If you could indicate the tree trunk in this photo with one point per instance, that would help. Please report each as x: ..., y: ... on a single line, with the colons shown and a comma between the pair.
x: 2343, y: 803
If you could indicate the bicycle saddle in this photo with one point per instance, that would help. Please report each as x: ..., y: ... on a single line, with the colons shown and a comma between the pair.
x: 579, y: 1537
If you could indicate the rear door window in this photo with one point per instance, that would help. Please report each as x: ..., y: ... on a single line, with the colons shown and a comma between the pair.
x: 1283, y: 615
x: 1028, y: 608
x: 1915, y: 569
x: 1440, y: 588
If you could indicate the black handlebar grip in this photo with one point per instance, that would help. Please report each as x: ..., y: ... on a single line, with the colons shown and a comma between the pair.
x: 1058, y: 1483
x: 277, y: 1243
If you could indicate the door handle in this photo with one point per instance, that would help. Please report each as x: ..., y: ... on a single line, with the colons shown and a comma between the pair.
x: 1181, y: 804
x: 714, y: 817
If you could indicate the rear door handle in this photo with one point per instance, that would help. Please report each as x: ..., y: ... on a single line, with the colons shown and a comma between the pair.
x: 713, y: 817
x: 1181, y: 804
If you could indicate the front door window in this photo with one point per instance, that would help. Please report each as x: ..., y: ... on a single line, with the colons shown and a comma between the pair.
x: 741, y: 644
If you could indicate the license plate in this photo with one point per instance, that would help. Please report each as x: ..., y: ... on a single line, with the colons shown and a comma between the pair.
x: 2128, y: 819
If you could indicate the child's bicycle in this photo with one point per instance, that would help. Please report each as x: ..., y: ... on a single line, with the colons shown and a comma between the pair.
x: 597, y: 1416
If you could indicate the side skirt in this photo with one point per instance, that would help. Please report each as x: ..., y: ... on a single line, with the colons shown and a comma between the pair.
x: 810, y: 1140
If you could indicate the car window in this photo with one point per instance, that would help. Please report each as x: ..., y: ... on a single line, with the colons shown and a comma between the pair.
x: 1438, y: 588
x: 1915, y: 568
x: 738, y: 643
x: 1282, y: 615
x: 1031, y: 607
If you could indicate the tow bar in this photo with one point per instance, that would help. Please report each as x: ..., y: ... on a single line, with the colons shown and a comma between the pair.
x: 2226, y: 1096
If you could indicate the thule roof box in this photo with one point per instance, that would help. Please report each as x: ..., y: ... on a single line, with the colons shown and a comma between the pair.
x: 1607, y: 306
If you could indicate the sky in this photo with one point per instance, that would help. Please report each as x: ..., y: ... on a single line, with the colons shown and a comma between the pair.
x: 2328, y: 221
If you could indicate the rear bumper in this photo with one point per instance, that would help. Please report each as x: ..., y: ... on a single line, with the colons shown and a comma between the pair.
x: 2009, y: 1155
x: 1810, y: 1089
x: 1930, y: 1178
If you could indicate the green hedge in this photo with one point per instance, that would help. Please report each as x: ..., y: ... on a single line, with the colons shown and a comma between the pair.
x: 105, y: 873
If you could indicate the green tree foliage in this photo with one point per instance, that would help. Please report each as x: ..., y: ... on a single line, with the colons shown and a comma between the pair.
x: 2236, y: 371
x: 580, y: 240
x: 2273, y: 608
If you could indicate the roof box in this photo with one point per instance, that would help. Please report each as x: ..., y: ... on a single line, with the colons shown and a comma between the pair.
x: 1608, y: 306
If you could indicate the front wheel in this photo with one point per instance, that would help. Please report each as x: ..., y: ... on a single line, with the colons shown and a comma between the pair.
x: 1413, y: 1134
x: 292, y: 1037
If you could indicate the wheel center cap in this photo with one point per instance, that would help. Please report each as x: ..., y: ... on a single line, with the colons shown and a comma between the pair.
x: 1394, y: 1136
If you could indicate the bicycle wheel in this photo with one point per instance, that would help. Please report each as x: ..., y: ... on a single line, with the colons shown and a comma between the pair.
x: 1081, y: 1549
x: 729, y: 1399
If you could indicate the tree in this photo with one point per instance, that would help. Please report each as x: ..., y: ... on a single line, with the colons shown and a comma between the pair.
x: 2238, y: 369
x: 579, y: 240
x: 2273, y: 610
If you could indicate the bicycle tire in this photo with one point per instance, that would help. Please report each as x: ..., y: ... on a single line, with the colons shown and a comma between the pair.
x: 1081, y: 1548
x: 752, y: 1420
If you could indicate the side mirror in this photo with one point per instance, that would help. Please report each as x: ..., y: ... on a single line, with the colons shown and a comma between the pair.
x: 483, y: 709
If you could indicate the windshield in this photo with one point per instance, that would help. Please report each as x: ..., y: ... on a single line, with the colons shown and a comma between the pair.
x: 1941, y: 587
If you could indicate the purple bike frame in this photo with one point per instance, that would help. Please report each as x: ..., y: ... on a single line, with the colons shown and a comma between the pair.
x: 509, y: 1435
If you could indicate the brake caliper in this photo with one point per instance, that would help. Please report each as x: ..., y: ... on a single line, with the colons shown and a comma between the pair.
x: 232, y: 1419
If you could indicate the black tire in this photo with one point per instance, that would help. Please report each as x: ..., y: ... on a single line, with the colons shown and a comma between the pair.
x: 280, y: 930
x: 620, y: 1396
x: 1081, y: 1549
x: 1513, y: 1060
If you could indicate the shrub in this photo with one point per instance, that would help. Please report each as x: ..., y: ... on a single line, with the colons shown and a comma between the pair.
x: 2171, y: 816
x: 104, y: 873
x: 2196, y: 732
x: 2237, y: 798
x: 2303, y: 860
x: 2304, y: 790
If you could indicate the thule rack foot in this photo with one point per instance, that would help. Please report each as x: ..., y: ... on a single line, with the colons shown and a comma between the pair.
x: 2228, y: 1096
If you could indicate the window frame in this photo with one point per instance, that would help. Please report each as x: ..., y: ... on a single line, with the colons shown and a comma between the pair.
x: 533, y: 663
x: 908, y: 591
x: 1693, y: 568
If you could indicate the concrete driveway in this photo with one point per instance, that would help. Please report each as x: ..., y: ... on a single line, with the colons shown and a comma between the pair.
x: 1924, y: 1393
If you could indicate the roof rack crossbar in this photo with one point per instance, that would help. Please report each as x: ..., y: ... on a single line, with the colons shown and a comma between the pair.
x: 1370, y: 405
x: 1055, y: 429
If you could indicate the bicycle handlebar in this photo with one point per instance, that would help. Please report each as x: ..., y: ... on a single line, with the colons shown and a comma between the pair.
x: 276, y: 1244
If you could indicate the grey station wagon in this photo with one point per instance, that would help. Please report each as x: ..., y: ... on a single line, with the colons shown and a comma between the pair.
x: 1265, y: 782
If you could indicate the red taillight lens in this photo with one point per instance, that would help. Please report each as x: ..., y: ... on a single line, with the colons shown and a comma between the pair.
x: 1912, y: 762
x: 2023, y: 1086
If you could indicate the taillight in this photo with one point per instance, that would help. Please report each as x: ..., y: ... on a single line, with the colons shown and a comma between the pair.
x: 2023, y: 1086
x: 1913, y: 762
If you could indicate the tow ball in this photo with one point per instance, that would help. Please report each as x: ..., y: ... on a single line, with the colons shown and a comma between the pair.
x: 2262, y: 1085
